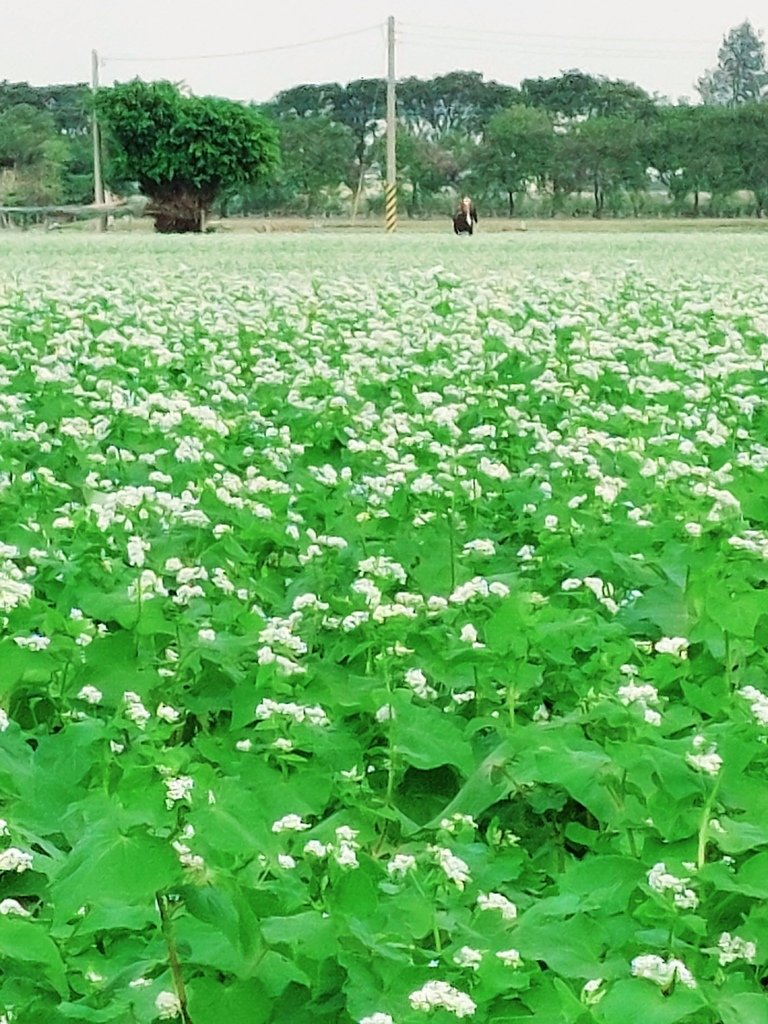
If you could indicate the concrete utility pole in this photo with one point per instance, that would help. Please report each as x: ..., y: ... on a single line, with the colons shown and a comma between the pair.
x: 98, y: 180
x: 390, y: 190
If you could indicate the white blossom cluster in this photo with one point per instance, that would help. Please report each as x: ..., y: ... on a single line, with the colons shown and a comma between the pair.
x: 662, y: 881
x: 312, y: 714
x: 662, y: 972
x: 440, y: 995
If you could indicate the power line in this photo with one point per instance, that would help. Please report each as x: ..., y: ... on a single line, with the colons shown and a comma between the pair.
x: 245, y: 53
x: 480, y: 46
x: 462, y: 32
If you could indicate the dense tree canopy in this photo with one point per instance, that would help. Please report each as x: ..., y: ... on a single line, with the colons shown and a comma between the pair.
x: 183, y: 151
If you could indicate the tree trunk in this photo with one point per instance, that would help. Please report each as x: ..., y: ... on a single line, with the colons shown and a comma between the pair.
x: 179, y: 209
x: 598, y: 200
x: 511, y: 195
x: 695, y: 202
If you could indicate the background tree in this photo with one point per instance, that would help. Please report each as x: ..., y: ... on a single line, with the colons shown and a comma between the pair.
x: 609, y: 156
x: 740, y: 75
x: 517, y: 149
x: 32, y: 156
x: 685, y: 146
x: 574, y: 95
x: 426, y: 166
x: 183, y: 150
x: 459, y: 103
x: 315, y: 155
x: 744, y: 132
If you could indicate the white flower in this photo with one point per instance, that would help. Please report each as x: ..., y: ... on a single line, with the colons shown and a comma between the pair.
x: 592, y: 991
x: 377, y: 1018
x: 732, y: 948
x: 167, y: 713
x: 455, y: 823
x: 661, y: 971
x: 317, y: 849
x: 135, y: 710
x: 469, y: 636
x: 385, y: 713
x: 708, y: 761
x: 496, y: 901
x: 496, y: 470
x: 177, y: 789
x: 167, y: 1005
x: 510, y: 957
x: 4, y: 720
x: 758, y: 703
x: 479, y: 547
x: 90, y: 695
x: 243, y: 746
x: 454, y: 867
x: 136, y: 551
x: 290, y: 823
x: 417, y: 681
x: 439, y: 994
x: 13, y: 907
x: 468, y: 957
x: 401, y: 864
x: 675, y: 645
x: 572, y: 583
x: 207, y: 636
x: 16, y: 860
x: 286, y: 861
x: 661, y: 881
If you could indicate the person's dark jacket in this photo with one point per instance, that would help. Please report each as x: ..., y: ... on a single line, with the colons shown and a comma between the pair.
x: 464, y: 224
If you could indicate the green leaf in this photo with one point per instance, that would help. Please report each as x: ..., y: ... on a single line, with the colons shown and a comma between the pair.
x: 212, y: 1001
x: 27, y: 941
x: 640, y: 1000
x: 426, y: 738
x: 105, y: 862
x: 743, y: 1008
x: 308, y: 933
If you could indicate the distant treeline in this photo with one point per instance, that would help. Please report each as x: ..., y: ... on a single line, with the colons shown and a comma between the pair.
x: 572, y: 144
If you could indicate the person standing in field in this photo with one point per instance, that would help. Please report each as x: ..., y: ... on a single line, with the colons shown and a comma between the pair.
x: 465, y: 217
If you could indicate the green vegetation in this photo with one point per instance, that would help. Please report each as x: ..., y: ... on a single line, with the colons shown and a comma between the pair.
x: 384, y: 630
x: 571, y: 145
x: 183, y: 151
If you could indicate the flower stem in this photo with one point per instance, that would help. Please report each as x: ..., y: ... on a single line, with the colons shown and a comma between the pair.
x: 173, y: 955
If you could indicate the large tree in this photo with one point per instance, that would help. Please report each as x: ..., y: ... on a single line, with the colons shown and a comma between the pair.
x: 609, y: 157
x: 459, y: 103
x: 517, y: 149
x: 183, y: 151
x: 575, y: 95
x: 687, y: 146
x: 740, y: 75
x: 315, y: 153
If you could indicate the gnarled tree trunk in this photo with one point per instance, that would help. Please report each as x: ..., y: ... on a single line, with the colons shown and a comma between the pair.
x: 179, y: 208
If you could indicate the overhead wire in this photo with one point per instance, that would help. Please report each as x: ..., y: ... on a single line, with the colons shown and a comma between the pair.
x: 462, y: 31
x: 580, y: 47
x: 244, y: 53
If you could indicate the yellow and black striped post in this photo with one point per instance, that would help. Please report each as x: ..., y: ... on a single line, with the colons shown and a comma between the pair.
x: 390, y: 191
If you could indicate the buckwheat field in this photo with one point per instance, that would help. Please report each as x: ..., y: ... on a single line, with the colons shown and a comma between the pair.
x: 384, y: 629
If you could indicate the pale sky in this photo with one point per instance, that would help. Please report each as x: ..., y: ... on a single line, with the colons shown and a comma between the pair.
x: 663, y: 45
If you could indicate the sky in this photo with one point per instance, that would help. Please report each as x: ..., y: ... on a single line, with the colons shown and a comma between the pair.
x: 662, y: 45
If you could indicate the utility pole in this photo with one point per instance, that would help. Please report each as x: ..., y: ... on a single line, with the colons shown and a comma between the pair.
x: 98, y: 180
x: 390, y: 190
